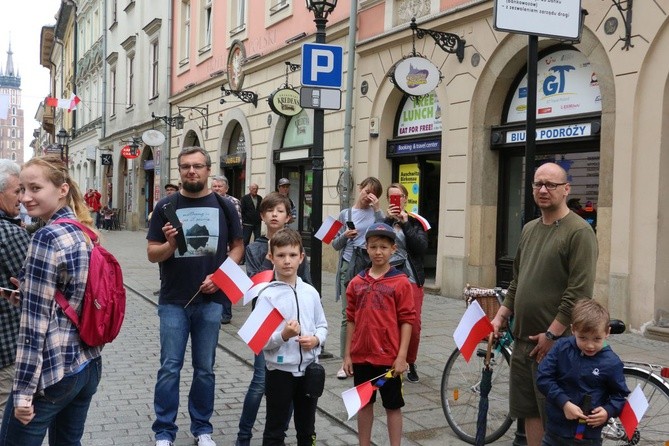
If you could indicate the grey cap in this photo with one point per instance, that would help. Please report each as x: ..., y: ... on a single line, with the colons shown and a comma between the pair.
x: 284, y: 181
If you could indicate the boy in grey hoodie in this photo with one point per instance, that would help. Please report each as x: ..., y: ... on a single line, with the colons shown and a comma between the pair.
x: 294, y: 344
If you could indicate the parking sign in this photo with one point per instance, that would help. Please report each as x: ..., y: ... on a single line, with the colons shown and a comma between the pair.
x: 322, y: 65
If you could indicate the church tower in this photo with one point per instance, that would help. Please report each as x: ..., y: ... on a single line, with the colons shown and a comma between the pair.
x: 11, y: 113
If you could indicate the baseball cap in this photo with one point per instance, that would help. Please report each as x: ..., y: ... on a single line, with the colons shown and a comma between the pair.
x: 284, y: 181
x: 380, y: 229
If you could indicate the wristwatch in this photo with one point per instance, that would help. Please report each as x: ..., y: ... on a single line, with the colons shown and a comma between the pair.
x: 551, y: 337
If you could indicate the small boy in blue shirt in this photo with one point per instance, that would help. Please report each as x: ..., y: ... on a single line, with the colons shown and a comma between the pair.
x: 581, y: 371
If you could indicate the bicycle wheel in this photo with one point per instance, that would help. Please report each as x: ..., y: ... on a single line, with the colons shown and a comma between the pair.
x: 653, y: 429
x: 460, y: 394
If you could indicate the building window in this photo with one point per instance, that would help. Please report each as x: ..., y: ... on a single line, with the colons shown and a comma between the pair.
x: 206, y: 21
x: 14, y: 110
x: 277, y: 5
x: 112, y: 92
x: 13, y: 135
x: 185, y: 33
x: 114, y: 13
x: 13, y: 121
x: 153, y: 88
x: 129, y: 80
x: 237, y: 16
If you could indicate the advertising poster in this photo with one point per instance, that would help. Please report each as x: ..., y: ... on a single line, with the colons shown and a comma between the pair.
x: 410, y: 178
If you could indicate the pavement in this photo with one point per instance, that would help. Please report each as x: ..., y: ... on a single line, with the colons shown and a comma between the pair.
x: 122, y: 411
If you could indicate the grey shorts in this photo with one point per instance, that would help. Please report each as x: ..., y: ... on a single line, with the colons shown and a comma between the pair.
x: 525, y: 400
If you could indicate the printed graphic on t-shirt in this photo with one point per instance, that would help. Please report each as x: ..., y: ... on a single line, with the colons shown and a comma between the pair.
x: 201, y: 228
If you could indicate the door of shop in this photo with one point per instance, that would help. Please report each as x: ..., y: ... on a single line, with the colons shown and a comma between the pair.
x: 301, y: 179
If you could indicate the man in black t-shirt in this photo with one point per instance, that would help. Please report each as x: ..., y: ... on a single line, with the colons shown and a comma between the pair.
x: 190, y: 303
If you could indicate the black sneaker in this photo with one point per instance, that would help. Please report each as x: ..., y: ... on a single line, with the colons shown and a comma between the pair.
x: 412, y: 376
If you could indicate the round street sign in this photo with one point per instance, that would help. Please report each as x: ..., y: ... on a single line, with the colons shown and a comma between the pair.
x: 126, y: 153
x: 285, y: 102
x: 416, y: 76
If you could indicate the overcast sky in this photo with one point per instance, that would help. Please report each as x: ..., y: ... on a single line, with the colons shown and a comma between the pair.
x: 22, y: 21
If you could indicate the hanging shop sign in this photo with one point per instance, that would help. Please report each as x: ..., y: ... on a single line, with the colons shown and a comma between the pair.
x: 128, y: 153
x: 548, y: 18
x: 106, y: 159
x: 416, y: 76
x: 285, y: 102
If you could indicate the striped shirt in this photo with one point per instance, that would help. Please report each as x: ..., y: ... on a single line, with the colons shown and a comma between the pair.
x: 49, y: 347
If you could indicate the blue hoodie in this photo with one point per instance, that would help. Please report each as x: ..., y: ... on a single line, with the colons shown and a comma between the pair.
x: 566, y: 374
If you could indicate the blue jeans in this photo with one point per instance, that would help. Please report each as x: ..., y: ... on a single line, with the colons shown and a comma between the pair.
x: 252, y: 401
x: 61, y: 410
x: 202, y: 322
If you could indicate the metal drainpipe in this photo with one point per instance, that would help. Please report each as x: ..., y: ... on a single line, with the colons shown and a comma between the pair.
x: 348, y: 114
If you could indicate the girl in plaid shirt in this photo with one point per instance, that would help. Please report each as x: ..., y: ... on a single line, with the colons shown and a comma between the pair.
x: 56, y: 374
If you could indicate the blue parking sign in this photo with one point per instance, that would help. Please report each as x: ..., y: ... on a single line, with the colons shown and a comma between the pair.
x: 322, y: 65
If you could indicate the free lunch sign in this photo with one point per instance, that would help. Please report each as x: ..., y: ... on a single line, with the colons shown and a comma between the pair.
x: 548, y: 18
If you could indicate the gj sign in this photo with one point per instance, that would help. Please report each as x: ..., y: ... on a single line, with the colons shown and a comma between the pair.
x: 322, y: 65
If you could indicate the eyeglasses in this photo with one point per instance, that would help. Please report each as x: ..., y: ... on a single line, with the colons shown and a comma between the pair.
x: 187, y: 167
x: 549, y: 186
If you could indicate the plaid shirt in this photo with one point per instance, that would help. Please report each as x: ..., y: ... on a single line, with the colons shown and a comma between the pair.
x: 49, y: 346
x: 13, y: 246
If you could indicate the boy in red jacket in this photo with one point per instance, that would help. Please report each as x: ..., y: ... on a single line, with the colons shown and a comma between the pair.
x: 379, y: 315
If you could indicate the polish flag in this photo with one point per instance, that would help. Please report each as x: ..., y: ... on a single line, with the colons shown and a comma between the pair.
x: 68, y: 104
x: 357, y: 397
x: 423, y: 221
x: 260, y: 325
x: 260, y: 281
x: 634, y: 408
x: 328, y: 230
x: 232, y: 280
x: 473, y: 327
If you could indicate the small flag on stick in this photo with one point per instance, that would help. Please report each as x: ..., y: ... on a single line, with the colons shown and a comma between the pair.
x: 423, y: 221
x: 473, y: 327
x: 260, y: 325
x: 232, y: 280
x: 328, y: 230
x: 359, y: 396
x: 260, y: 281
x: 634, y: 408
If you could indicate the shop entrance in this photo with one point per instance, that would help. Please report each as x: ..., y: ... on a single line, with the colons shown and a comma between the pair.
x: 301, y: 180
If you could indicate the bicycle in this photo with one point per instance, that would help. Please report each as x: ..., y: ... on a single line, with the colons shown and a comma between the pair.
x: 460, y: 394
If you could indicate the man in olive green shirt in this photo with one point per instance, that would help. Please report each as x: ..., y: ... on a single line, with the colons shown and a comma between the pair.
x: 554, y: 266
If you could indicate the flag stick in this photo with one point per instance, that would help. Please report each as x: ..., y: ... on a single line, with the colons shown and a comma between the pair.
x: 191, y: 299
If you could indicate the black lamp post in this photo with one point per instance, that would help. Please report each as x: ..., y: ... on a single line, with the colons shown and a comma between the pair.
x: 63, y: 140
x: 321, y: 10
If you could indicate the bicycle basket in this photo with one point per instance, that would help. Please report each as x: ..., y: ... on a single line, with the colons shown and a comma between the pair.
x: 489, y: 299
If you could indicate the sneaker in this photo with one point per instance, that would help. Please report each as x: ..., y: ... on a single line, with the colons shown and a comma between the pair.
x: 164, y: 443
x: 205, y: 440
x: 341, y: 374
x: 225, y: 320
x: 412, y: 376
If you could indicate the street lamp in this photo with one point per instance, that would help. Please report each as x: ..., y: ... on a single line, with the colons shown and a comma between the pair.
x: 321, y: 10
x: 63, y: 140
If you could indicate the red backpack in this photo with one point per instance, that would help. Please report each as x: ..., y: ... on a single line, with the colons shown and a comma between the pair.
x: 103, y: 306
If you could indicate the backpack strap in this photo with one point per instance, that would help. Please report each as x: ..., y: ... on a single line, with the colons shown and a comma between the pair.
x: 60, y: 297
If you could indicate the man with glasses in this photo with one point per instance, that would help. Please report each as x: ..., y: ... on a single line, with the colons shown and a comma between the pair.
x: 554, y: 266
x: 190, y: 303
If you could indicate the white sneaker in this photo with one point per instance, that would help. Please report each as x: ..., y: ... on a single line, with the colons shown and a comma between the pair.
x: 164, y: 443
x: 205, y: 440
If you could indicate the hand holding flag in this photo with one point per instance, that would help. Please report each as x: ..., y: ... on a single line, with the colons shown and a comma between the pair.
x: 473, y: 327
x: 328, y: 230
x: 360, y: 395
x: 260, y: 325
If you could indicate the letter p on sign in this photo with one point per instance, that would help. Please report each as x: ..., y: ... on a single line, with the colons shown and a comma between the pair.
x: 322, y: 65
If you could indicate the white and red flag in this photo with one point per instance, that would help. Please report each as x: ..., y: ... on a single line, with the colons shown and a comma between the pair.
x: 473, y: 327
x: 232, y: 280
x: 357, y: 397
x: 260, y: 325
x: 260, y: 281
x: 634, y: 408
x: 423, y: 221
x: 68, y: 104
x: 328, y: 230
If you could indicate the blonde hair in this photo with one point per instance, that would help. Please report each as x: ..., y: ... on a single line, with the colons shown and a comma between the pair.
x: 588, y: 316
x: 56, y: 172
